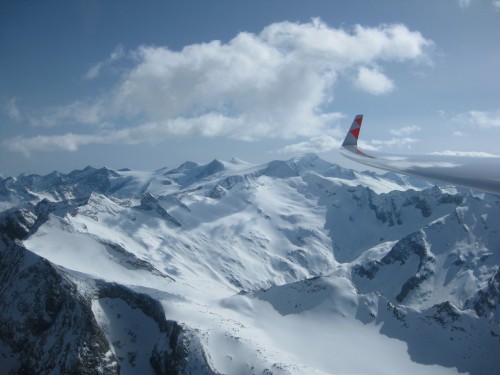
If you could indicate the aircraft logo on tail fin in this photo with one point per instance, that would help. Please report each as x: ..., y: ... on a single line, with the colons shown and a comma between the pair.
x: 351, y: 138
x: 472, y: 172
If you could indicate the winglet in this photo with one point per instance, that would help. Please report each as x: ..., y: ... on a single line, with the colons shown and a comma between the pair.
x: 351, y: 139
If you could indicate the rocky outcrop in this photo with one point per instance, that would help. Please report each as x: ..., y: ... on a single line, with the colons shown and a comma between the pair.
x: 150, y: 203
x: 46, y: 323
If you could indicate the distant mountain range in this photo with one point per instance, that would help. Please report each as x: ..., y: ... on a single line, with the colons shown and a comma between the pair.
x: 290, y: 267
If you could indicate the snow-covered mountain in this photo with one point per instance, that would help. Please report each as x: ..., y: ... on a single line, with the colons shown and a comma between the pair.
x: 291, y: 267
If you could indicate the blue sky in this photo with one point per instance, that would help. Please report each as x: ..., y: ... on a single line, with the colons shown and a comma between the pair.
x: 151, y: 84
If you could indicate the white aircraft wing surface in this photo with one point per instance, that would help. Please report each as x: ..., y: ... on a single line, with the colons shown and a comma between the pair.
x: 481, y: 173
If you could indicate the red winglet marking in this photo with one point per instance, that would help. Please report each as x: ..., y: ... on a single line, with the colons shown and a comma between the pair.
x: 355, y: 132
x: 358, y: 121
x: 359, y: 152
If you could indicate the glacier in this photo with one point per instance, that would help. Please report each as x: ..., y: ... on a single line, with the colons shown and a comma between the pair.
x: 289, y: 267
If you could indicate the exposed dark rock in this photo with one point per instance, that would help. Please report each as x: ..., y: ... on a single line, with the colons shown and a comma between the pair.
x: 177, y: 352
x: 217, y: 192
x: 16, y: 223
x: 129, y: 260
x: 45, y: 321
x: 486, y: 302
x: 211, y: 168
x: 411, y: 245
x: 150, y: 202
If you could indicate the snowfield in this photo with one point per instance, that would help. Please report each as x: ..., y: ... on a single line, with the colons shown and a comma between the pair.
x: 291, y: 267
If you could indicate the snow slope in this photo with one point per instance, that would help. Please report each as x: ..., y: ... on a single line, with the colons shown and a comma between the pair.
x: 291, y: 267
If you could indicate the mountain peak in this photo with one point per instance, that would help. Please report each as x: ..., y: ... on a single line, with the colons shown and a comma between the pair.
x: 183, y: 168
x: 238, y: 161
x: 322, y: 243
x: 211, y: 168
x: 280, y: 169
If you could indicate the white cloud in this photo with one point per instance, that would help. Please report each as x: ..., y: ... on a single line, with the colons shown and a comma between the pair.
x: 459, y: 134
x: 12, y: 110
x: 481, y: 119
x: 477, y: 154
x: 208, y: 125
x: 407, y: 130
x: 78, y: 112
x: 464, y: 3
x: 366, y: 146
x: 95, y: 70
x: 66, y: 142
x: 321, y: 143
x: 373, y: 81
x: 395, y: 142
x: 268, y: 85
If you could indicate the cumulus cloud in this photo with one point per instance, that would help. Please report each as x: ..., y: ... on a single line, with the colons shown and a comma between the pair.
x: 373, y: 81
x: 274, y: 84
x: 496, y: 4
x: 481, y: 119
x: 407, y: 130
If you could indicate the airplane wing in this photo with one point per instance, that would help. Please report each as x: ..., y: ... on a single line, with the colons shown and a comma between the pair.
x: 473, y: 172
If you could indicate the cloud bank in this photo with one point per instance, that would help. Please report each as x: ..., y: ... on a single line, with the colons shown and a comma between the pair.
x: 476, y: 154
x: 274, y: 84
x: 464, y: 4
x: 321, y: 143
x: 397, y: 142
x: 480, y: 119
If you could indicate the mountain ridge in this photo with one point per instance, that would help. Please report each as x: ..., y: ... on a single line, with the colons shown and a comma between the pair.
x: 238, y: 257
